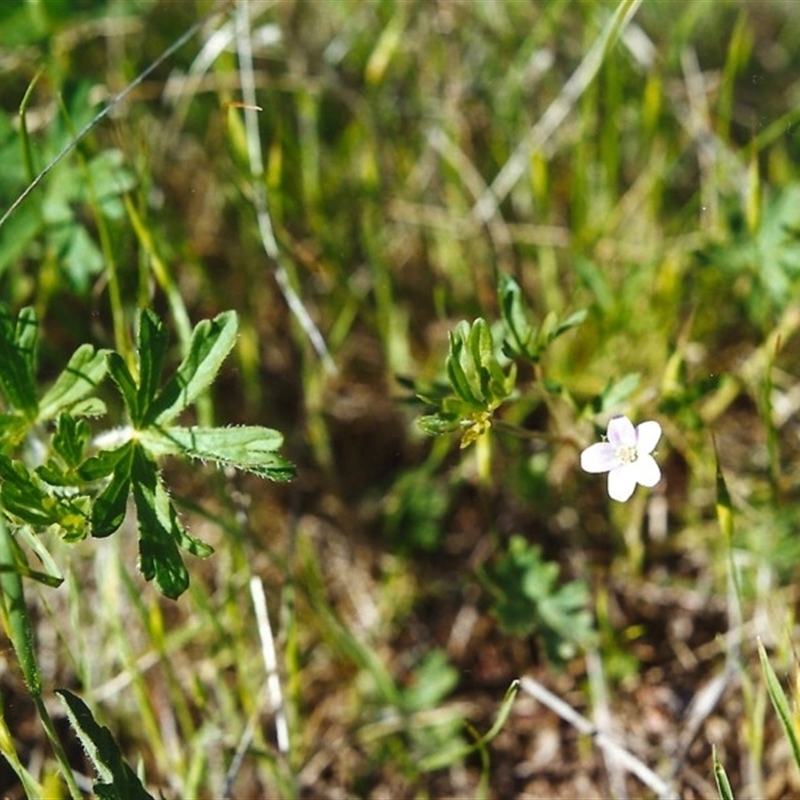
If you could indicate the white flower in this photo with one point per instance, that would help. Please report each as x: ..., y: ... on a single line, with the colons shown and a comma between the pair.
x: 625, y: 457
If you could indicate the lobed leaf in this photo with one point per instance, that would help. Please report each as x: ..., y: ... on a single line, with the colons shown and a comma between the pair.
x: 160, y: 531
x: 25, y: 498
x: 70, y: 438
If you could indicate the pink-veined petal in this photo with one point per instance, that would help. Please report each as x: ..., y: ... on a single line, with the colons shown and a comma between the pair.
x: 621, y: 432
x: 647, y: 471
x: 647, y: 436
x: 622, y: 482
x: 600, y: 457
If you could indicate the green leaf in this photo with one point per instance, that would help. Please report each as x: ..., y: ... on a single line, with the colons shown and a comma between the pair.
x: 83, y: 373
x: 17, y: 234
x: 454, y: 365
x: 211, y: 342
x: 477, y: 358
x: 615, y: 394
x: 108, y: 511
x: 88, y: 407
x: 478, y: 382
x: 250, y: 448
x: 16, y: 619
x: 153, y: 339
x: 17, y: 361
x: 721, y: 778
x: 25, y: 333
x: 438, y: 424
x: 25, y: 497
x: 53, y: 473
x: 473, y: 370
x: 434, y: 679
x: 117, y: 781
x: 529, y: 600
x: 70, y: 438
x: 80, y: 257
x: 13, y: 430
x: 121, y: 375
x: 780, y: 703
x: 159, y: 529
x: 522, y: 339
x: 102, y: 464
x: 512, y: 309
x: 110, y: 179
x: 572, y: 321
x: 52, y: 577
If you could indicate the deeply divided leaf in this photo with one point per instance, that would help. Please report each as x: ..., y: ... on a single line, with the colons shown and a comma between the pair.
x: 27, y: 498
x: 70, y: 439
x: 159, y: 528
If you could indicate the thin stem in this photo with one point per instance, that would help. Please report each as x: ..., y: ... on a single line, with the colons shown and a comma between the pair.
x: 541, y: 436
x: 265, y: 229
x: 20, y: 632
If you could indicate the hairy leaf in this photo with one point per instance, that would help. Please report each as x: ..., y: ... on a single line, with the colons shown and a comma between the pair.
x: 117, y: 781
x: 211, y: 342
x: 250, y: 448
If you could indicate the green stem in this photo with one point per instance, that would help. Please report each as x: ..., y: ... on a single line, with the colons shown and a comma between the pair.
x: 30, y: 785
x: 20, y: 632
x: 121, y: 337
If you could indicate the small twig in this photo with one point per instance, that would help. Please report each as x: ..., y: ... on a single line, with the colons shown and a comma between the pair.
x: 604, y: 721
x: 270, y: 663
x: 625, y: 758
x: 700, y: 708
x: 273, y: 691
x: 265, y: 229
x: 538, y: 436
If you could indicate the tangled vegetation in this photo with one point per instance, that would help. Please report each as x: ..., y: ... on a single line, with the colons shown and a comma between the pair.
x: 310, y: 315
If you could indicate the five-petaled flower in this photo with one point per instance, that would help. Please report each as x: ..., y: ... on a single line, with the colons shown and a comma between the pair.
x: 625, y: 457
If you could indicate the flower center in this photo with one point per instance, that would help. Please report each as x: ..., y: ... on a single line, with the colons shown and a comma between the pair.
x: 627, y: 454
